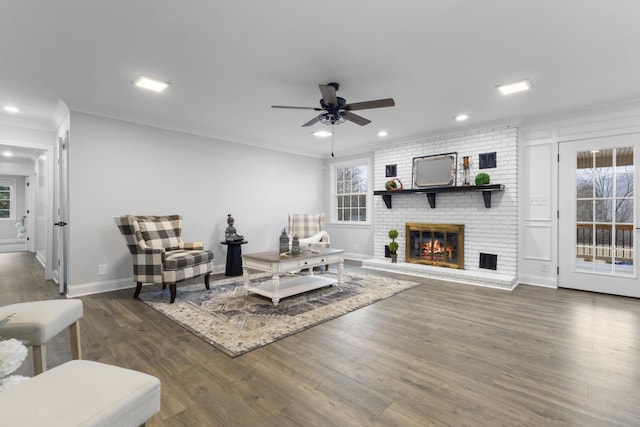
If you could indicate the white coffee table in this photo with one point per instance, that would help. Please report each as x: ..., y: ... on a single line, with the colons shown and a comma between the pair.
x: 271, y: 262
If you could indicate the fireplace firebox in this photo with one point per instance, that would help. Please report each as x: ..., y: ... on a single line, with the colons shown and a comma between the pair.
x: 435, y: 244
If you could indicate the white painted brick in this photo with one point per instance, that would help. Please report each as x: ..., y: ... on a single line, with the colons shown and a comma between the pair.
x: 486, y: 230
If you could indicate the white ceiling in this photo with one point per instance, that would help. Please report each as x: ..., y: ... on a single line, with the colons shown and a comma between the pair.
x: 229, y: 61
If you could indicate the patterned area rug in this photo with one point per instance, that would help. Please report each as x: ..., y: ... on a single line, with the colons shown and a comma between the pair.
x: 236, y: 323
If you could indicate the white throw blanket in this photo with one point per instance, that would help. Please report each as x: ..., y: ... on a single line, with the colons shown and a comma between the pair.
x: 316, y: 238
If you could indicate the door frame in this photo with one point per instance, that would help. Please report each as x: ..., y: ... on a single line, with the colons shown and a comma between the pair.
x: 60, y: 214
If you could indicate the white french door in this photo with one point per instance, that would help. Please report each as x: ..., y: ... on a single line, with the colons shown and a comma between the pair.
x: 598, y: 212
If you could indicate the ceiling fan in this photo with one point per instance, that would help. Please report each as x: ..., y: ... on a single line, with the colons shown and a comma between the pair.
x: 335, y: 109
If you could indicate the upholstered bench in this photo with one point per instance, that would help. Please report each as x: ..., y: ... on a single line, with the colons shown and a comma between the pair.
x: 36, y: 322
x: 82, y: 393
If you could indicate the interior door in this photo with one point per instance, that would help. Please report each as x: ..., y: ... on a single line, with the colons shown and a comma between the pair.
x: 61, y: 231
x: 598, y: 212
x: 28, y: 218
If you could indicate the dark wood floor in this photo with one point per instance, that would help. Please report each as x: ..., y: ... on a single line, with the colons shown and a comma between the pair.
x: 440, y: 354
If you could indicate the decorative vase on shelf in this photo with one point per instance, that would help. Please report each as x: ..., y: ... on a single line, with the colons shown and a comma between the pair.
x: 393, y: 185
x: 466, y: 171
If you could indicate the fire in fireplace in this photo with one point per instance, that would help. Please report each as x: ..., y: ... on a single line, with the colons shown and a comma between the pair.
x: 435, y: 244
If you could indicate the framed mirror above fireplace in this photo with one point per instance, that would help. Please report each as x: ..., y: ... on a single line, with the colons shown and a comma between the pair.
x: 435, y: 170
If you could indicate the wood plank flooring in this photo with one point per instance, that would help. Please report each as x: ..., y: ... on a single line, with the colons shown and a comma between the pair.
x: 440, y: 354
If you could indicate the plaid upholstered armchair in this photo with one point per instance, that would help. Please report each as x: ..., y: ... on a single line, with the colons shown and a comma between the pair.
x: 160, y: 255
x: 310, y: 230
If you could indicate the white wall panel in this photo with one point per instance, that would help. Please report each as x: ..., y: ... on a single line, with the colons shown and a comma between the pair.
x: 538, y: 238
x: 537, y: 180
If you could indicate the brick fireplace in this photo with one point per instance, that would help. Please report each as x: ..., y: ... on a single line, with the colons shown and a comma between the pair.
x: 441, y: 245
x: 488, y: 231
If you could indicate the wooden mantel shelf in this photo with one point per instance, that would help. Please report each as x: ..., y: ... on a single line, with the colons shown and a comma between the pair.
x: 432, y: 191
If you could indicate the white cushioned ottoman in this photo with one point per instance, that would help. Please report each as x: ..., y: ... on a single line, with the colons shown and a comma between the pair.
x: 82, y: 393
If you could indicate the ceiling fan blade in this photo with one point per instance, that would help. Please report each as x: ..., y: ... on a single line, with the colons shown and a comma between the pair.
x: 328, y: 94
x: 378, y: 103
x: 359, y: 120
x: 297, y: 108
x: 312, y: 122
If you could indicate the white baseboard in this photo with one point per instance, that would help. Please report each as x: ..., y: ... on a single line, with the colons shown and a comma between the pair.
x: 13, y: 245
x: 352, y: 256
x: 41, y: 259
x: 99, y: 287
x: 543, y: 282
x: 83, y: 289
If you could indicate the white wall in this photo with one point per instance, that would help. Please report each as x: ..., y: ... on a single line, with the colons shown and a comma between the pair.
x: 118, y: 168
x: 537, y: 228
x: 539, y: 140
x: 42, y: 202
x: 356, y: 240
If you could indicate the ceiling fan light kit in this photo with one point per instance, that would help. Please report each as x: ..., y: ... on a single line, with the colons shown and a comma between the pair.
x: 335, y: 110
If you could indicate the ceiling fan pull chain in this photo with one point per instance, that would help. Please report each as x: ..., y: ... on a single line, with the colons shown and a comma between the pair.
x: 332, y: 133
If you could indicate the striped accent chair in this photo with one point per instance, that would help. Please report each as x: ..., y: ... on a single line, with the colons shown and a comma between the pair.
x: 310, y: 230
x: 159, y: 254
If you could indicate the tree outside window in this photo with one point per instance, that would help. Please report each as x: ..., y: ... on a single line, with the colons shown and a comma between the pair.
x: 605, y: 205
x: 351, y: 193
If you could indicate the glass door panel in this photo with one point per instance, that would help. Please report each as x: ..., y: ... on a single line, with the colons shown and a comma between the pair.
x: 598, y: 173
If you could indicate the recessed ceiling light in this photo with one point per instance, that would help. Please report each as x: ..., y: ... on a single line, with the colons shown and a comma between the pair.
x: 151, y: 84
x: 7, y: 154
x: 461, y: 117
x: 11, y: 109
x: 515, y: 87
x: 383, y: 133
x: 322, y: 134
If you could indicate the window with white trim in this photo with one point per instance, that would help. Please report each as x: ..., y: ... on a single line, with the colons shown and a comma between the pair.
x: 7, y: 199
x: 350, y: 199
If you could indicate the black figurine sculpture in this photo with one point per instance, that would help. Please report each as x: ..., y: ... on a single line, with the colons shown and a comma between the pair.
x: 230, y: 233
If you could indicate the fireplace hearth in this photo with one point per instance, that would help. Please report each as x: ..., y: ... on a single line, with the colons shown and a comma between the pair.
x: 440, y: 245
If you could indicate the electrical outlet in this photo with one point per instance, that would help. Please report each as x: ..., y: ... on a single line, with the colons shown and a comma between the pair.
x: 356, y: 247
x: 545, y: 268
x: 102, y: 269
